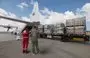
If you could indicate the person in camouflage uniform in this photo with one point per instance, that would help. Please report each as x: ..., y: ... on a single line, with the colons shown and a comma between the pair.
x: 34, y: 40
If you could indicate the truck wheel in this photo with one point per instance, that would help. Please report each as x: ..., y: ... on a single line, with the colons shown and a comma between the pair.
x: 70, y: 39
x: 45, y: 36
x: 86, y: 39
x: 62, y: 39
x: 67, y: 39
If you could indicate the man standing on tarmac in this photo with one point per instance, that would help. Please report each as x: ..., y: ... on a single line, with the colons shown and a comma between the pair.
x: 34, y: 40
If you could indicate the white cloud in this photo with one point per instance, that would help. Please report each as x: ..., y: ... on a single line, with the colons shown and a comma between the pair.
x: 12, y: 15
x: 51, y: 17
x: 25, y: 18
x: 45, y: 11
x: 86, y: 9
x: 55, y: 17
x: 22, y: 5
x: 3, y: 12
x: 47, y: 16
x: 69, y: 15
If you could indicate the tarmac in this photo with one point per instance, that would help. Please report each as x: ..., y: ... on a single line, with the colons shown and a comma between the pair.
x: 48, y: 49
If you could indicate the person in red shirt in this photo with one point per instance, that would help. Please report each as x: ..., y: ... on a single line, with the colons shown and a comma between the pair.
x: 25, y: 40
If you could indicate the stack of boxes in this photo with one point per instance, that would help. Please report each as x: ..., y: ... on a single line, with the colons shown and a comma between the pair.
x: 58, y: 28
x: 76, y: 26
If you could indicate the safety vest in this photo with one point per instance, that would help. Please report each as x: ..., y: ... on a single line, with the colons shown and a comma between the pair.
x: 25, y: 34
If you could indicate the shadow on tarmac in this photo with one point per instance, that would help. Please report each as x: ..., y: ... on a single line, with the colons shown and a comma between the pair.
x: 45, y: 51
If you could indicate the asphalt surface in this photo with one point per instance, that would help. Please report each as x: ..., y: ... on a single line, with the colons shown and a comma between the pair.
x: 48, y: 49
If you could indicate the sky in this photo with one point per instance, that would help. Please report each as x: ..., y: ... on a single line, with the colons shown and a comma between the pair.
x: 55, y: 5
x: 49, y: 11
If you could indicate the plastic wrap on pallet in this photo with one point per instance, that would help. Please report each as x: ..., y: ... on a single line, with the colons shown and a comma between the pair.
x: 40, y: 26
x: 59, y: 25
x: 70, y: 30
x: 45, y: 26
x: 47, y: 31
x: 79, y: 21
x: 80, y: 30
x: 48, y: 26
x: 79, y: 27
x: 58, y: 30
x: 70, y: 22
x: 40, y: 30
x: 55, y: 32
x: 76, y: 21
x: 76, y: 30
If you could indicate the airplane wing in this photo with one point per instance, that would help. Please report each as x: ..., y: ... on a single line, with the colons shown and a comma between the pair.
x: 18, y: 20
x: 22, y: 21
x: 2, y: 26
x: 13, y: 19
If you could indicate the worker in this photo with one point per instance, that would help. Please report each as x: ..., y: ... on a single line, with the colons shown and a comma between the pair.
x: 25, y: 40
x: 18, y: 35
x: 34, y: 40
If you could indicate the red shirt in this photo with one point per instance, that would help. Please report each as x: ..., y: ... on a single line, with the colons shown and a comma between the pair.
x: 25, y: 34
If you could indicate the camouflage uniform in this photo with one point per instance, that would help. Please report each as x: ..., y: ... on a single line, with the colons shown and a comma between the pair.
x: 34, y: 40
